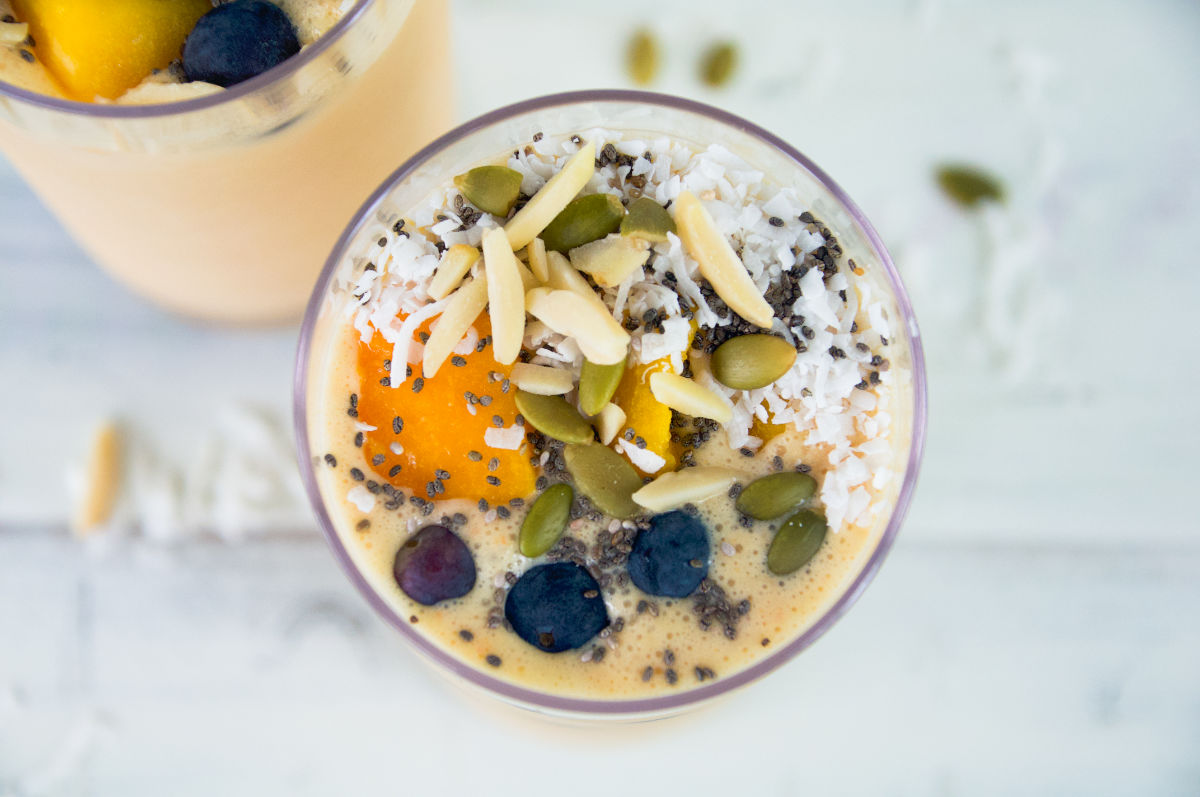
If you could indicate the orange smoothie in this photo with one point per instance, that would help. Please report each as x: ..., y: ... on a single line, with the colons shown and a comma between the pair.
x: 224, y: 204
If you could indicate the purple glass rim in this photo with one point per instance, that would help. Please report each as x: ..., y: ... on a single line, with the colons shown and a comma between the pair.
x: 232, y: 94
x: 644, y: 706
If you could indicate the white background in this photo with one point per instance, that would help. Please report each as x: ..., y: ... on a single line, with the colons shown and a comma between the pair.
x: 1035, y: 631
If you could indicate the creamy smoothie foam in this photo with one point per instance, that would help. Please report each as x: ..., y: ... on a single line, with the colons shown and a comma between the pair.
x: 216, y: 200
x: 693, y: 587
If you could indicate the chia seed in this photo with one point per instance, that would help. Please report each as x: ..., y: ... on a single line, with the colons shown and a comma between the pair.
x: 466, y: 635
x: 331, y: 460
x: 397, y: 424
x: 493, y: 660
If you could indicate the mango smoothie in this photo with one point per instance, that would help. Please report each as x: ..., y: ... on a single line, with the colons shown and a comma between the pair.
x: 215, y: 185
x: 614, y: 415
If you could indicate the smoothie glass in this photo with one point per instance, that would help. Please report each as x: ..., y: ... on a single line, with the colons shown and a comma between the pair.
x: 224, y: 206
x: 648, y: 115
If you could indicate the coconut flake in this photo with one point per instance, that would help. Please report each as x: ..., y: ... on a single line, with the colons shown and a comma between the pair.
x: 508, y: 438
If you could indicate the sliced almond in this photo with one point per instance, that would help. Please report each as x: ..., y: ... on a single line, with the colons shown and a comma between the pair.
x: 542, y: 379
x: 102, y: 480
x: 719, y: 264
x: 688, y: 397
x: 601, y: 339
x: 608, y: 422
x: 506, y: 296
x: 537, y: 260
x: 553, y: 197
x: 462, y: 309
x: 687, y: 486
x: 454, y: 266
x: 611, y: 259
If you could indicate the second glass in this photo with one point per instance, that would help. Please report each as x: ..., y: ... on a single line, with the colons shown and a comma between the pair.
x: 224, y: 207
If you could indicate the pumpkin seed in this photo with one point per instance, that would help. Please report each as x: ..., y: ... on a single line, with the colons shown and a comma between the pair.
x: 597, y: 384
x: 648, y: 220
x: 718, y: 64
x: 776, y: 494
x: 604, y: 477
x: 492, y: 189
x: 796, y: 542
x: 584, y: 219
x: 554, y: 417
x: 968, y: 186
x: 749, y: 362
x: 546, y: 520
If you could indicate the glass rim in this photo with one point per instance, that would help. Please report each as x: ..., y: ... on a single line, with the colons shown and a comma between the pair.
x: 234, y: 93
x: 585, y: 706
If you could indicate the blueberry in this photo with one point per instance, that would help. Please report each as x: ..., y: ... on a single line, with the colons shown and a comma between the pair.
x: 434, y: 565
x: 671, y: 557
x: 556, y: 607
x: 238, y: 40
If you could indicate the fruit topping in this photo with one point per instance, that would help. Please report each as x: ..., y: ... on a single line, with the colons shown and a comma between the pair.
x: 671, y: 557
x: 426, y: 429
x: 556, y: 607
x: 237, y: 41
x: 434, y: 565
x: 103, y: 48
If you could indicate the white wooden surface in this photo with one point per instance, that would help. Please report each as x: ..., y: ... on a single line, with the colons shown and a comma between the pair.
x: 1035, y: 630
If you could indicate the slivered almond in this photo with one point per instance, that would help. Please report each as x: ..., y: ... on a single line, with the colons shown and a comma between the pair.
x: 687, y: 486
x: 542, y: 379
x: 102, y: 480
x: 719, y: 264
x: 506, y: 296
x: 528, y: 280
x: 564, y: 277
x: 13, y: 32
x: 537, y: 260
x: 461, y: 310
x: 454, y: 266
x: 552, y: 197
x: 601, y: 339
x: 611, y: 259
x: 608, y: 422
x: 682, y: 394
